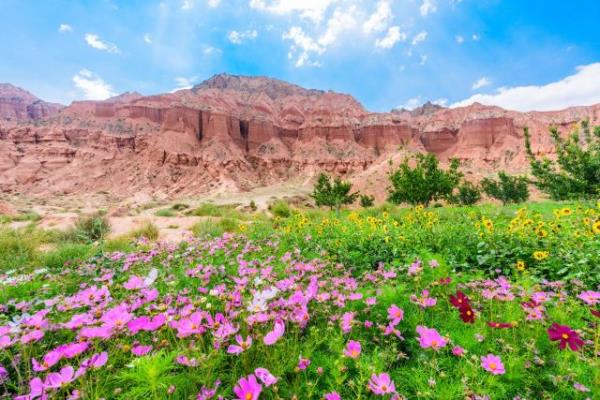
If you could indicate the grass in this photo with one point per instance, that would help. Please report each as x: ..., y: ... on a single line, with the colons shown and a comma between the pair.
x: 325, y: 267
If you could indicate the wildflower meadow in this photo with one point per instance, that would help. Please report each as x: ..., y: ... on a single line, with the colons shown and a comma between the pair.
x: 456, y: 303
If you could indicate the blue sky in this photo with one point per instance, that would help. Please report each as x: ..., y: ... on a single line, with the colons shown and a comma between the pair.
x: 530, y: 54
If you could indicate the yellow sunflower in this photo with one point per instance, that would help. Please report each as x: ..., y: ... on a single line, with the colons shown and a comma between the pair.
x: 521, y: 265
x: 596, y: 228
x: 566, y: 211
x: 540, y: 255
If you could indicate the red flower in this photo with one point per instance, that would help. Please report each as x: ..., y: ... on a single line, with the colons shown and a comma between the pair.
x: 467, y: 314
x: 500, y: 325
x: 459, y: 300
x: 566, y: 336
x: 595, y: 313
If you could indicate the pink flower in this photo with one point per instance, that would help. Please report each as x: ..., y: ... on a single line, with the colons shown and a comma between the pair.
x: 346, y: 322
x: 140, y: 350
x: 589, y: 297
x: 3, y: 374
x: 332, y: 396
x: 248, y: 388
x: 429, y: 337
x: 277, y: 332
x: 303, y: 363
x: 134, y: 283
x: 242, y: 345
x: 493, y: 364
x: 381, y: 384
x: 353, y: 349
x: 56, y: 380
x: 395, y: 314
x: 265, y: 376
x: 458, y: 351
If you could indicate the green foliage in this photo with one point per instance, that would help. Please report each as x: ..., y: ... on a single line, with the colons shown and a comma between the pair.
x: 165, y: 212
x: 576, y: 172
x: 90, y: 228
x: 253, y: 206
x: 66, y: 252
x: 333, y: 194
x: 424, y: 182
x: 367, y: 201
x: 467, y: 195
x: 148, y: 230
x: 507, y: 189
x: 215, y: 227
x: 280, y: 209
x: 180, y: 206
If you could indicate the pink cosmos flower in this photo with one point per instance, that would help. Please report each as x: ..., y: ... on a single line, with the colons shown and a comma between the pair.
x: 353, y: 349
x: 140, y: 350
x: 303, y: 363
x: 3, y: 374
x: 183, y: 360
x: 395, y: 314
x: 265, y: 376
x: 247, y: 388
x: 493, y: 364
x: 458, y: 351
x: 346, y: 322
x: 134, y: 283
x: 242, y: 345
x: 429, y: 337
x: 333, y: 396
x: 274, y: 335
x: 590, y: 297
x: 381, y: 384
x: 56, y: 380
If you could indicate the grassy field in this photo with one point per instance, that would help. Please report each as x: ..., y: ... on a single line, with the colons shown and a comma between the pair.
x: 438, y: 303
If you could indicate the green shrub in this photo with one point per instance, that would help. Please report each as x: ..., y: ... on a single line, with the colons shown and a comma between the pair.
x: 366, y: 201
x: 423, y: 183
x: 17, y: 248
x: 180, y: 206
x: 333, y: 194
x: 148, y: 230
x: 468, y: 194
x: 165, y: 212
x: 253, y: 206
x: 215, y: 228
x: 507, y: 189
x: 90, y: 228
x: 576, y: 172
x: 280, y: 209
x: 66, y: 252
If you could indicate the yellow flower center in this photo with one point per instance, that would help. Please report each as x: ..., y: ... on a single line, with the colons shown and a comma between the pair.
x: 565, y: 336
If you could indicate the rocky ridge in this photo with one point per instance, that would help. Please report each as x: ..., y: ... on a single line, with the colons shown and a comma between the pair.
x: 236, y: 133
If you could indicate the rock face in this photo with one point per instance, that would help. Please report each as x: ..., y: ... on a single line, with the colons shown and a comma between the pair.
x: 235, y: 133
x: 18, y: 104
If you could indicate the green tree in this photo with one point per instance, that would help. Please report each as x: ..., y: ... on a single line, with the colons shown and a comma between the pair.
x: 576, y: 171
x: 424, y: 182
x: 333, y: 194
x: 507, y: 189
x: 366, y: 201
x: 468, y: 194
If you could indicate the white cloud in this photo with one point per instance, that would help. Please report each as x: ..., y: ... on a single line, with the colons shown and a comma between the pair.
x: 580, y: 89
x: 459, y: 39
x: 412, y: 103
x: 187, y: 5
x: 339, y: 22
x: 310, y: 9
x: 380, y: 19
x: 302, y: 44
x: 214, y: 3
x: 92, y: 86
x: 427, y: 7
x: 420, y: 37
x: 94, y: 41
x: 184, y: 83
x: 209, y: 50
x: 424, y: 59
x: 475, y: 37
x: 237, y: 37
x: 393, y: 36
x: 482, y: 82
x: 64, y: 28
x: 147, y: 38
x: 440, y: 102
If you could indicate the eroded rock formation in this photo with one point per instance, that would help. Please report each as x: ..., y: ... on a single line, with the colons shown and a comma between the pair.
x: 235, y: 133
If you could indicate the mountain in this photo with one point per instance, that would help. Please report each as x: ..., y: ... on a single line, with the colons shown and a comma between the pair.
x: 19, y: 104
x: 236, y: 133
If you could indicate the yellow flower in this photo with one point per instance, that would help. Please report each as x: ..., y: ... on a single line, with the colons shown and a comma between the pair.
x: 566, y: 211
x: 542, y: 233
x: 521, y: 265
x: 596, y: 228
x: 540, y: 255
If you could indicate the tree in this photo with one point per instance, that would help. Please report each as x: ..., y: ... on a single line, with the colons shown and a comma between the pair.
x: 576, y: 171
x: 366, y: 201
x: 423, y: 183
x: 333, y: 195
x: 507, y: 189
x: 468, y: 194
